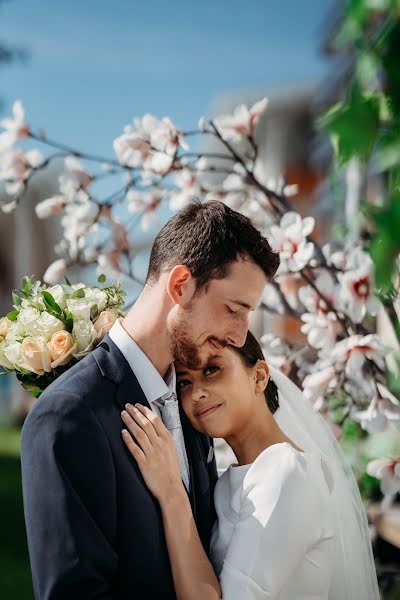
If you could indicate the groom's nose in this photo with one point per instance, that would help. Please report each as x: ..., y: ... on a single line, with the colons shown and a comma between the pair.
x: 237, y: 337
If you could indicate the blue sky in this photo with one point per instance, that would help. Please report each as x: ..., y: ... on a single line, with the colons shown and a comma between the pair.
x: 94, y: 64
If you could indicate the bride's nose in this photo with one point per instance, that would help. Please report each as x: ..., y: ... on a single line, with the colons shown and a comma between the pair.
x: 199, y: 392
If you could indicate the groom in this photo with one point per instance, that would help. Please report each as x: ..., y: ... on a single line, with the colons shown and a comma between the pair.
x: 94, y: 529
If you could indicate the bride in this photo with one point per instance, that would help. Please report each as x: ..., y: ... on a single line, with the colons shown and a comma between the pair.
x: 291, y: 524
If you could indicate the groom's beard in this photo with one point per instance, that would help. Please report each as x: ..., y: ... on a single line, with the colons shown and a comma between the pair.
x: 183, y: 349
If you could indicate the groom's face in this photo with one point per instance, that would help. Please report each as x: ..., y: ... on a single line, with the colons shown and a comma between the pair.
x: 218, y: 315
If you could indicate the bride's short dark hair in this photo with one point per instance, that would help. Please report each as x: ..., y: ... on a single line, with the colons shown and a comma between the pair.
x: 250, y: 353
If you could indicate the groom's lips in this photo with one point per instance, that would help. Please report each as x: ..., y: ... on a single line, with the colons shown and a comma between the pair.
x: 215, y: 345
x: 206, y: 410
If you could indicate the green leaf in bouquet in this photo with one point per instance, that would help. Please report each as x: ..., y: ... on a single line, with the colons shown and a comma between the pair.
x: 101, y: 278
x: 26, y: 285
x: 69, y: 322
x: 93, y: 312
x: 51, y: 305
x: 67, y: 281
x: 16, y: 299
x: 13, y: 315
x: 79, y: 293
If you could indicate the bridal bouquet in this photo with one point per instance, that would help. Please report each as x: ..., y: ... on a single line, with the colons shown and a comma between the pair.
x: 52, y: 328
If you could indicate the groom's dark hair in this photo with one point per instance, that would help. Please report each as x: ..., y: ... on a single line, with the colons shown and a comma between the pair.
x: 207, y: 237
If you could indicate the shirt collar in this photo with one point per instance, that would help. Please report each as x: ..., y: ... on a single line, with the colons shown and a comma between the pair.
x: 150, y: 380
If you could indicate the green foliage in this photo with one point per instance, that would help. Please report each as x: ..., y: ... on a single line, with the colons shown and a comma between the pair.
x: 365, y: 124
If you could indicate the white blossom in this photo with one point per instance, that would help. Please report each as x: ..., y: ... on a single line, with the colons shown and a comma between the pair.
x: 357, y: 286
x: 388, y: 471
x: 55, y: 271
x: 243, y: 121
x: 352, y: 352
x: 16, y: 167
x: 16, y: 128
x: 289, y: 239
x: 50, y: 206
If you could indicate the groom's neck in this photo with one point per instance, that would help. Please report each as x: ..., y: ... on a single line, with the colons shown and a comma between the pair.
x: 146, y: 323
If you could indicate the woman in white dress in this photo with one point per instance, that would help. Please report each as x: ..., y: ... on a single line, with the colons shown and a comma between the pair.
x: 289, y: 519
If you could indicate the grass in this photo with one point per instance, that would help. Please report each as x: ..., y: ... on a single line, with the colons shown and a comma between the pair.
x: 15, y: 574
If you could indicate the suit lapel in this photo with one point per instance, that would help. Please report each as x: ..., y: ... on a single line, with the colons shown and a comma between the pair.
x: 113, y: 365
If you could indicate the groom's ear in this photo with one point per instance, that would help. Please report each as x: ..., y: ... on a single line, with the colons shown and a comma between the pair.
x: 181, y: 285
x: 261, y: 375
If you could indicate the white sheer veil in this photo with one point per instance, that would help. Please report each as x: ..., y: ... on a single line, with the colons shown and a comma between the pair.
x: 354, y: 575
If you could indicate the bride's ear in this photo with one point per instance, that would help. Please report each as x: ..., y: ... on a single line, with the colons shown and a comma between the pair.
x: 261, y: 375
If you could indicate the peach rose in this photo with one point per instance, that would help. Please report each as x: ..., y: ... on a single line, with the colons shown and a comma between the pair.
x: 61, y: 347
x: 35, y: 355
x: 4, y: 323
x: 104, y: 322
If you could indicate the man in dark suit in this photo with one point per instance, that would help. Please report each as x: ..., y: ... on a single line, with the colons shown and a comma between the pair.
x: 94, y: 529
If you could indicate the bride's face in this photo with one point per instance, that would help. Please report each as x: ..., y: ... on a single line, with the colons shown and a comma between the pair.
x: 219, y: 398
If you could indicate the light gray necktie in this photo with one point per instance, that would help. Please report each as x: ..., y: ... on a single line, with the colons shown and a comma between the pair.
x: 169, y: 409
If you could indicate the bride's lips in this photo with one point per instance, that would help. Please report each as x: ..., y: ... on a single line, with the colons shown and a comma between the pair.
x: 204, y: 411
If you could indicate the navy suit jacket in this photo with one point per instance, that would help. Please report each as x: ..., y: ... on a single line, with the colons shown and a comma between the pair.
x: 94, y: 529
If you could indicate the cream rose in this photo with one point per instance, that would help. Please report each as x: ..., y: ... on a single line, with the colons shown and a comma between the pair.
x: 98, y: 298
x: 4, y: 361
x: 84, y: 333
x: 104, y: 322
x: 61, y: 347
x: 4, y: 325
x: 27, y: 318
x: 80, y: 308
x: 36, y: 355
x: 46, y: 325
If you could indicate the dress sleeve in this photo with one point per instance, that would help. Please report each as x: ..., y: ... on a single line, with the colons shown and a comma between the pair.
x: 275, y: 527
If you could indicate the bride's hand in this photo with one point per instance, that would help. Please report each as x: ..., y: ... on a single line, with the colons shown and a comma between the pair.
x: 152, y: 446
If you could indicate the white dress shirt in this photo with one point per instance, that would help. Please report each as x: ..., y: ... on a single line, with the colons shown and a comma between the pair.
x: 153, y: 385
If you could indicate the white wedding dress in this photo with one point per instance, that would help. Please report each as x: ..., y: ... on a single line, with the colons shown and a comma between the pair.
x: 274, y: 537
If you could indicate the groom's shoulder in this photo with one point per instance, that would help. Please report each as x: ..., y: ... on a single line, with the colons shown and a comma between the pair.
x: 73, y: 394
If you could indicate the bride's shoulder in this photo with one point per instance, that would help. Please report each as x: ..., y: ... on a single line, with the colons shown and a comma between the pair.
x: 280, y: 464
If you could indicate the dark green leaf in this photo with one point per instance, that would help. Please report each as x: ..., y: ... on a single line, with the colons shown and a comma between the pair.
x: 101, y: 278
x: 51, y: 304
x: 13, y: 315
x: 79, y: 293
x: 16, y: 299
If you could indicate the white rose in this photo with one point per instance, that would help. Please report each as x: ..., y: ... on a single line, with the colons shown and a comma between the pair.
x: 84, y: 334
x: 98, y: 297
x: 58, y: 294
x: 79, y: 308
x: 4, y: 361
x: 27, y: 318
x: 46, y: 325
x: 15, y: 331
x: 104, y: 322
x: 13, y: 353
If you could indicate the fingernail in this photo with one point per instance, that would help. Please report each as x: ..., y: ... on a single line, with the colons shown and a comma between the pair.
x: 124, y: 432
x: 124, y: 413
x: 127, y: 405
